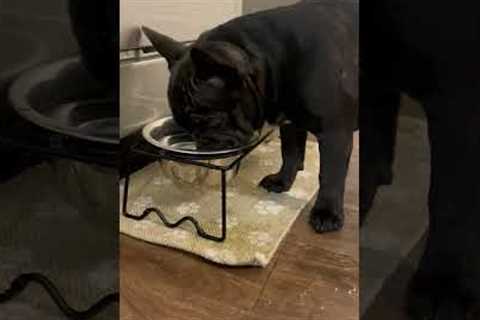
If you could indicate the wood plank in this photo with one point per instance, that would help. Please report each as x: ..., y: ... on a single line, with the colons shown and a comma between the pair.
x: 176, y: 276
x: 314, y: 263
x: 312, y: 276
x: 315, y: 277
x: 256, y: 275
x: 290, y: 296
x: 128, y: 310
x: 301, y: 273
x: 344, y: 241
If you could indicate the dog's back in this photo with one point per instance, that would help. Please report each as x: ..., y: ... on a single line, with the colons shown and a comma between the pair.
x: 420, y: 46
x: 299, y: 27
x: 300, y: 39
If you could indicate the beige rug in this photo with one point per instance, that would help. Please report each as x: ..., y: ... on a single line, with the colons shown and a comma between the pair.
x: 257, y: 220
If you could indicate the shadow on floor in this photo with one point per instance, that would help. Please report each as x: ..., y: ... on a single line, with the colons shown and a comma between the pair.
x: 398, y: 219
x: 390, y: 301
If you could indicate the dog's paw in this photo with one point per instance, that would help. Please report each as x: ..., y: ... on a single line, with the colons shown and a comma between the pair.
x: 276, y: 183
x: 323, y: 220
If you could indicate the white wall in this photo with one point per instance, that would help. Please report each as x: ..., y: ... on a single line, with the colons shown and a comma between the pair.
x: 250, y: 6
x: 143, y: 84
x: 180, y: 19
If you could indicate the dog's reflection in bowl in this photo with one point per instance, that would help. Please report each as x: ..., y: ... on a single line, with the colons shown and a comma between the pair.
x: 192, y: 175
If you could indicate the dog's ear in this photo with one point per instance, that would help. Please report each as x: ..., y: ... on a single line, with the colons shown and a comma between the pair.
x: 214, y: 59
x: 169, y: 48
x: 219, y: 59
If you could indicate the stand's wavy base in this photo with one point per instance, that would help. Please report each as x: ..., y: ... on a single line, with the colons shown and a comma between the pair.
x: 22, y: 281
x: 160, y: 155
x: 169, y: 224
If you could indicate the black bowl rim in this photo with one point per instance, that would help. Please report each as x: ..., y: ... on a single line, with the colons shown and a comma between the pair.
x: 18, y: 92
x: 152, y: 126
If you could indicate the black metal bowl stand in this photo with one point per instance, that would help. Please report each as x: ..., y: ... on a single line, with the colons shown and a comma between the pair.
x: 145, y: 149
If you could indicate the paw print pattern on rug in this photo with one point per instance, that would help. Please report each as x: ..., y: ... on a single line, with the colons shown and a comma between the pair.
x: 268, y: 207
x: 188, y: 208
x: 145, y: 226
x: 232, y: 222
x: 305, y: 174
x: 178, y: 234
x: 266, y: 148
x: 224, y: 255
x: 259, y: 238
x: 232, y: 192
x: 228, y: 256
x: 140, y: 204
x: 256, y: 219
x: 162, y: 182
x: 212, y: 254
x: 298, y: 193
x: 267, y: 162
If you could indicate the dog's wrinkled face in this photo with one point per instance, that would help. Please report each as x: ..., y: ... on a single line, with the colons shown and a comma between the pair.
x: 213, y: 91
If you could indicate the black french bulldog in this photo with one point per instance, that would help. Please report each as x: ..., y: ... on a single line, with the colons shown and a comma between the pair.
x: 297, y: 63
x: 429, y: 50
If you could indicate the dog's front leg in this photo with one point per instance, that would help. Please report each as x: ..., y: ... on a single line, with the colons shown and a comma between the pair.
x: 335, y: 151
x: 447, y: 282
x: 293, y: 142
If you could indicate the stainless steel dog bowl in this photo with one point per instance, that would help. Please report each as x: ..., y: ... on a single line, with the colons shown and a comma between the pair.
x: 167, y: 135
x: 50, y: 96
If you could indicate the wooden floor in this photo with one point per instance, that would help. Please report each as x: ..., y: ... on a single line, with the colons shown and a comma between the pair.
x: 311, y: 277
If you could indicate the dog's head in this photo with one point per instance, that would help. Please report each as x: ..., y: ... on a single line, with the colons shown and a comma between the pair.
x: 215, y: 90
